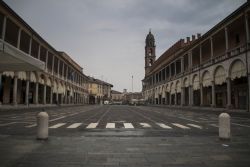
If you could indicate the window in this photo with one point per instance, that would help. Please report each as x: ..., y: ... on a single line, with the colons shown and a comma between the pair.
x: 43, y: 53
x: 25, y: 42
x: 56, y: 65
x: 34, y: 48
x: 1, y: 24
x: 11, y: 34
x: 50, y: 61
x: 237, y: 38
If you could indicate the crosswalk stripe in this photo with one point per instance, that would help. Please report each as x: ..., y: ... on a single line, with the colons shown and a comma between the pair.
x: 6, y: 124
x: 110, y: 125
x: 74, y: 125
x: 128, y: 126
x: 57, y: 125
x: 163, y: 126
x: 145, y: 125
x: 196, y: 126
x: 92, y: 126
x: 180, y: 126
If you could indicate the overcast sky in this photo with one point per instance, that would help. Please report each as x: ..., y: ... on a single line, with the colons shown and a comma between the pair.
x: 107, y: 37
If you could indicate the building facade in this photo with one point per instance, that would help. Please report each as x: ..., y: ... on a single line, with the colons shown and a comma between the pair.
x: 116, y: 96
x: 211, y: 70
x: 98, y: 90
x: 32, y: 71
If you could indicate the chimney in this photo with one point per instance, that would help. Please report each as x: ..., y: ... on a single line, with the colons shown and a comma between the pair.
x: 198, y: 35
x: 193, y: 37
x: 188, y: 39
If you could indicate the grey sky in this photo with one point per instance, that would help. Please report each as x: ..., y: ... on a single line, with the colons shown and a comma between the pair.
x: 107, y: 37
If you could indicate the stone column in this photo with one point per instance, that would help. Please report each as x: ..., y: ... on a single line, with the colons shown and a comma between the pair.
x: 44, y: 94
x: 213, y: 94
x: 27, y: 92
x: 201, y: 94
x: 229, y: 102
x: 247, y: 27
x: 51, y: 95
x: 19, y: 38
x: 182, y: 96
x: 57, y: 99
x: 15, y: 91
x: 1, y: 74
x: 170, y: 98
x: 248, y: 92
x: 212, y: 47
x: 4, y: 28
x: 226, y: 39
x: 200, y: 54
x: 191, y: 95
x: 175, y: 96
x: 36, y: 93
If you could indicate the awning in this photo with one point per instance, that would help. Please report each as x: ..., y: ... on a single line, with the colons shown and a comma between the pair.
x: 13, y: 59
x: 196, y: 83
x: 168, y: 88
x: 22, y: 75
x: 41, y: 80
x: 206, y: 80
x: 32, y: 77
x: 61, y: 89
x: 220, y: 76
x: 9, y: 74
x: 238, y: 70
x: 48, y: 83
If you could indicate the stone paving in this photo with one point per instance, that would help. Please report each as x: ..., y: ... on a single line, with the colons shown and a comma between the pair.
x: 128, y: 148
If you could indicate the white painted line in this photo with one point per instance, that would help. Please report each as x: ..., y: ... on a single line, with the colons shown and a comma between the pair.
x: 57, y: 125
x: 145, y: 125
x: 188, y: 119
x: 241, y: 125
x: 56, y: 119
x: 128, y: 126
x: 196, y: 126
x: 74, y: 125
x: 110, y: 125
x: 180, y: 126
x: 6, y: 124
x: 163, y: 126
x: 31, y: 126
x: 92, y: 126
x: 214, y: 125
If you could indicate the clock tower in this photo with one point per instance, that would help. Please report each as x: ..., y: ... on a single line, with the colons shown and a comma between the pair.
x: 149, y: 52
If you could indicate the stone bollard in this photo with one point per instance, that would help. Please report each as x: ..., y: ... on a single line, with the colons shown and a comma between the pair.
x: 224, y: 126
x: 42, y: 126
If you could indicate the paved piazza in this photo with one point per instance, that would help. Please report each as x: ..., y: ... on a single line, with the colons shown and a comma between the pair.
x: 125, y: 136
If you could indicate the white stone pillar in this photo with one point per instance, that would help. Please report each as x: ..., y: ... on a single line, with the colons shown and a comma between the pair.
x: 201, y: 94
x: 212, y: 47
x: 213, y: 94
x: 27, y: 92
x: 19, y: 38
x: 36, y: 93
x: 44, y: 94
x: 229, y: 102
x: 4, y: 28
x: 190, y: 59
x: 15, y: 91
x: 30, y: 46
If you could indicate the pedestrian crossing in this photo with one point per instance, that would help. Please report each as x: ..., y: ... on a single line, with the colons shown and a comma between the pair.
x: 124, y: 125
